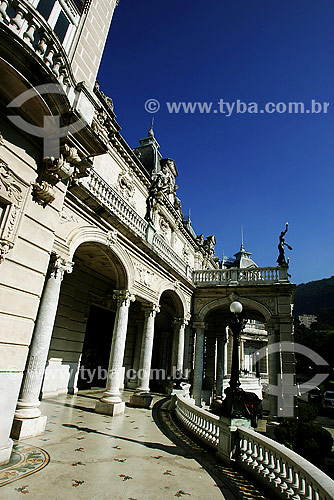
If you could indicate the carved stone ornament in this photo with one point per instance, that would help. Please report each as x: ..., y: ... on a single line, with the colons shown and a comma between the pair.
x: 59, y: 266
x: 5, y: 246
x: 68, y: 165
x: 186, y: 253
x: 65, y: 217
x: 102, y: 124
x: 12, y: 192
x: 112, y: 236
x: 125, y: 185
x: 145, y: 276
x: 163, y: 224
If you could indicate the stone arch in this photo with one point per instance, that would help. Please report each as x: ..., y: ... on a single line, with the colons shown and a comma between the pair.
x: 251, y: 303
x: 111, y: 247
x: 178, y: 297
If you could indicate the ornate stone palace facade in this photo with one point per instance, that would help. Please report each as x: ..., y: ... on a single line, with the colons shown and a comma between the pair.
x: 102, y: 278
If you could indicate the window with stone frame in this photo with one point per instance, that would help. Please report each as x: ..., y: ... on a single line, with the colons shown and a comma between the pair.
x: 62, y: 16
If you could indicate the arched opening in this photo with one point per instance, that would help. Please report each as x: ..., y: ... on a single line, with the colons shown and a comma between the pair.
x: 81, y: 340
x: 165, y: 340
x: 218, y: 350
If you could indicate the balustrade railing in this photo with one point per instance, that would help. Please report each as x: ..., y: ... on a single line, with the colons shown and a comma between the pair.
x: 162, y: 248
x: 284, y: 471
x: 203, y: 424
x: 106, y: 195
x: 24, y: 20
x: 242, y: 276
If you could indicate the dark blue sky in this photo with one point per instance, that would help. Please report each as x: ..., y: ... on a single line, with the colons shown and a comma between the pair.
x: 258, y: 170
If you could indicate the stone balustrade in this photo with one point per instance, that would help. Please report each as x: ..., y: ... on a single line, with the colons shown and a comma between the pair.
x: 114, y: 202
x: 283, y: 471
x: 203, y: 424
x: 162, y: 248
x: 26, y: 22
x: 259, y: 275
x: 108, y: 197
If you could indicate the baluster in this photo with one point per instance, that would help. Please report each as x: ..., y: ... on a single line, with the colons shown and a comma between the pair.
x: 283, y: 475
x: 260, y: 458
x: 49, y: 58
x: 30, y: 32
x: 3, y: 10
x: 17, y: 21
x: 41, y: 46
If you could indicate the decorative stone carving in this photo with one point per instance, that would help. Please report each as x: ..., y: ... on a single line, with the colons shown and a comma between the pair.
x: 5, y: 246
x: 209, y: 245
x: 9, y: 183
x: 65, y: 217
x: 59, y: 266
x: 145, y: 276
x: 12, y: 191
x: 68, y: 165
x: 112, y: 236
x: 163, y: 224
x: 125, y: 185
x: 43, y: 193
x: 186, y: 253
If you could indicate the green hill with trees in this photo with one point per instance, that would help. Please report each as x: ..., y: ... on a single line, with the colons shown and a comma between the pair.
x: 316, y: 297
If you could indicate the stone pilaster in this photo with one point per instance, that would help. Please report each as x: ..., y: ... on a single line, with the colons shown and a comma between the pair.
x: 28, y: 420
x: 274, y: 366
x: 199, y: 358
x: 111, y: 402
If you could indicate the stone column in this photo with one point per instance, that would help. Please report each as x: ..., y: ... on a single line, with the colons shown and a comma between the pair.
x: 221, y: 344
x: 142, y: 398
x: 111, y: 402
x: 242, y: 355
x: 179, y: 327
x: 198, y: 365
x: 146, y: 349
x: 136, y: 356
x: 28, y: 421
x: 225, y: 357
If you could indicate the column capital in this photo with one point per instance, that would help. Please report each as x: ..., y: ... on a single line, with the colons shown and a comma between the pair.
x: 200, y: 325
x: 58, y: 266
x: 150, y: 310
x: 179, y: 322
x: 123, y: 297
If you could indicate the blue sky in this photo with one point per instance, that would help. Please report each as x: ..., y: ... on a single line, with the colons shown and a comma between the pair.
x: 255, y: 170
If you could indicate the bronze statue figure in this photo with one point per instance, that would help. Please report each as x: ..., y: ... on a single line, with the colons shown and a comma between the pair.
x: 281, y: 255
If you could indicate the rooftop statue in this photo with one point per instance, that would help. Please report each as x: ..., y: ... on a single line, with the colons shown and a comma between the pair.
x: 281, y: 253
x: 160, y: 185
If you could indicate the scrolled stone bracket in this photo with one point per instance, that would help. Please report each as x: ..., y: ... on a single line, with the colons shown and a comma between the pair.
x: 69, y: 165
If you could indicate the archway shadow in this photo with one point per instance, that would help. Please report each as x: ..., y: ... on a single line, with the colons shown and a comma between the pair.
x: 173, y: 450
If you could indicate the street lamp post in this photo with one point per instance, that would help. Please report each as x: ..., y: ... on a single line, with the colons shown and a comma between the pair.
x: 234, y: 405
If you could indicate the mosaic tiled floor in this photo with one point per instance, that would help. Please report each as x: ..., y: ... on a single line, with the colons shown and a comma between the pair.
x: 25, y: 460
x: 228, y: 476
